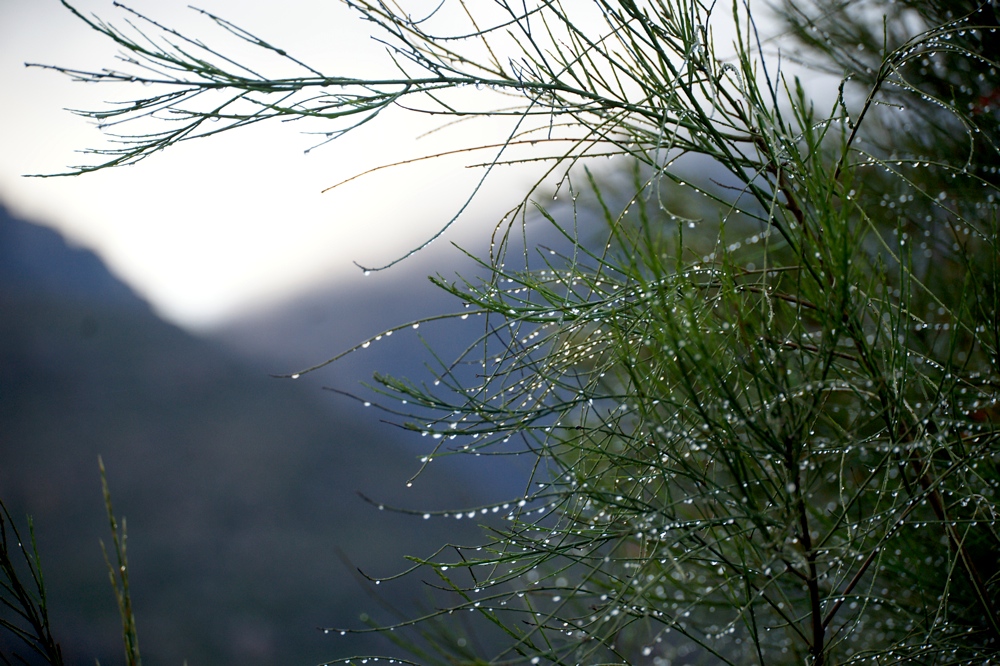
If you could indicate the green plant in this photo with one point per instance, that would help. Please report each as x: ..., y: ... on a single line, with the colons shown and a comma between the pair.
x: 763, y: 407
x: 23, y: 594
x: 118, y: 575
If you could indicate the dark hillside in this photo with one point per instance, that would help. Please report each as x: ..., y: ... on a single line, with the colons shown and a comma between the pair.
x: 239, y: 489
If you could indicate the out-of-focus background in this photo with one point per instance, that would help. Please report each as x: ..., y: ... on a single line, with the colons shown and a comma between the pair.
x: 245, y: 527
x: 214, y: 229
x: 143, y: 312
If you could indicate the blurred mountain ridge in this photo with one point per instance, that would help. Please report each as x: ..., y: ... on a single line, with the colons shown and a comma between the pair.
x: 245, y: 527
x: 37, y: 259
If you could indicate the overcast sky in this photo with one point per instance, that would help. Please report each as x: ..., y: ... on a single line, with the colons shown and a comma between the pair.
x: 215, y: 227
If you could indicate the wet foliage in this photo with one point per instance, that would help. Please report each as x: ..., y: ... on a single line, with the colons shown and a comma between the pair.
x: 762, y: 408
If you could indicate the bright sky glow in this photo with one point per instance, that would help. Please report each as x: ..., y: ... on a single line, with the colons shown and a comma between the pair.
x: 218, y: 226
x: 214, y: 227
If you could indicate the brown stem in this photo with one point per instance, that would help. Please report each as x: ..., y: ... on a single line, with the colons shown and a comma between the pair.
x: 812, y: 583
x: 817, y: 647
